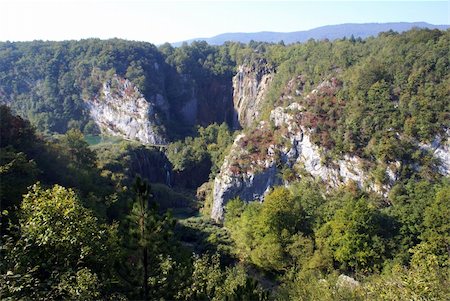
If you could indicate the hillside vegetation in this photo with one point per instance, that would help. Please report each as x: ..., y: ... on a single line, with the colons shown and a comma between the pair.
x: 118, y: 220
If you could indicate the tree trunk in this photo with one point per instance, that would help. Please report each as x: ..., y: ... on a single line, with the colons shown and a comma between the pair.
x: 144, y: 283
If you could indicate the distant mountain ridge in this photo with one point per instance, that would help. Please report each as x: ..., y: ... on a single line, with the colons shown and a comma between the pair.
x: 331, y: 32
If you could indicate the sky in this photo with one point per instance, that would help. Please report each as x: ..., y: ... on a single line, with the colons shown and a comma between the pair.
x: 158, y: 21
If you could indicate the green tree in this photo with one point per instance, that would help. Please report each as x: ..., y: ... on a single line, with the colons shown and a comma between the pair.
x: 150, y: 231
x: 16, y: 174
x: 210, y: 282
x: 78, y: 149
x: 357, y: 236
x: 139, y: 216
x: 409, y: 203
x: 423, y: 279
x: 269, y: 233
x: 60, y: 250
x: 437, y: 226
x: 15, y: 131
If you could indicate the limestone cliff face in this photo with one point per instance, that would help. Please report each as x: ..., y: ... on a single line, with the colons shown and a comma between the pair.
x: 440, y: 148
x: 251, y: 175
x: 247, y: 185
x: 257, y: 159
x: 120, y: 109
x: 442, y: 152
x: 250, y: 86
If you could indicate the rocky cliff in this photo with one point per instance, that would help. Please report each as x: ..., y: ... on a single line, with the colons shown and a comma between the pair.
x: 281, y: 150
x: 250, y: 86
x: 440, y: 148
x: 120, y: 109
x: 249, y: 172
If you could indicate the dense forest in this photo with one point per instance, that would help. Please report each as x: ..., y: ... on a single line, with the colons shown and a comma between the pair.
x: 117, y: 220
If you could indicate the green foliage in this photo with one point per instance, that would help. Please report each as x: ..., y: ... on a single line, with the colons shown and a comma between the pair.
x: 356, y: 236
x: 26, y: 157
x: 15, y: 131
x: 119, y: 162
x: 82, y: 286
x: 123, y: 160
x: 61, y: 251
x: 203, y: 235
x: 78, y: 149
x: 437, y: 227
x: 359, y: 239
x: 187, y: 154
x: 272, y: 235
x: 54, y: 78
x: 210, y: 282
x: 17, y: 173
x: 425, y: 279
x: 240, y: 223
x: 386, y: 92
x: 194, y: 159
x: 167, y: 198
x: 200, y: 59
x: 409, y: 203
x: 313, y: 286
x: 375, y: 98
x: 150, y: 232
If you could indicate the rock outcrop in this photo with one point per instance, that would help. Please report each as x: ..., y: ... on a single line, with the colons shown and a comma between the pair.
x: 257, y: 159
x: 440, y: 148
x: 249, y: 174
x: 348, y: 282
x: 120, y: 109
x: 250, y: 86
x: 248, y: 185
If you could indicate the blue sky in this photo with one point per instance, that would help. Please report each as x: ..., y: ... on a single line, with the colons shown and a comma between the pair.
x: 171, y: 21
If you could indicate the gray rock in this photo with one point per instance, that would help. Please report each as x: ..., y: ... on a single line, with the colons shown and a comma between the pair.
x: 260, y: 176
x: 123, y: 111
x: 440, y: 148
x: 248, y: 188
x: 250, y: 86
x: 345, y: 281
x: 294, y: 147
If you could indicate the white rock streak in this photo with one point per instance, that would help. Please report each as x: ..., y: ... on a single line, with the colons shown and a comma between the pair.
x: 254, y: 182
x: 123, y: 111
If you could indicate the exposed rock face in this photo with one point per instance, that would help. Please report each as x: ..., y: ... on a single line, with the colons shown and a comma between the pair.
x: 443, y: 154
x: 252, y: 167
x: 295, y: 148
x: 440, y: 148
x: 248, y: 186
x: 345, y: 281
x: 199, y: 102
x: 250, y: 86
x: 121, y: 110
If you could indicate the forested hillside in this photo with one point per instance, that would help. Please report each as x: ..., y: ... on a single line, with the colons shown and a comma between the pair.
x: 313, y: 171
x: 50, y: 83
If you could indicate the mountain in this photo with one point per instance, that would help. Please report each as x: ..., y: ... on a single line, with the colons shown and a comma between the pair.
x: 331, y: 32
x: 123, y: 88
x: 330, y: 180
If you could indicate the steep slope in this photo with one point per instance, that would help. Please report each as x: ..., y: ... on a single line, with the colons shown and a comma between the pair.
x: 250, y: 85
x: 121, y: 110
x: 131, y: 89
x: 257, y: 159
x: 281, y: 151
x: 367, y: 114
